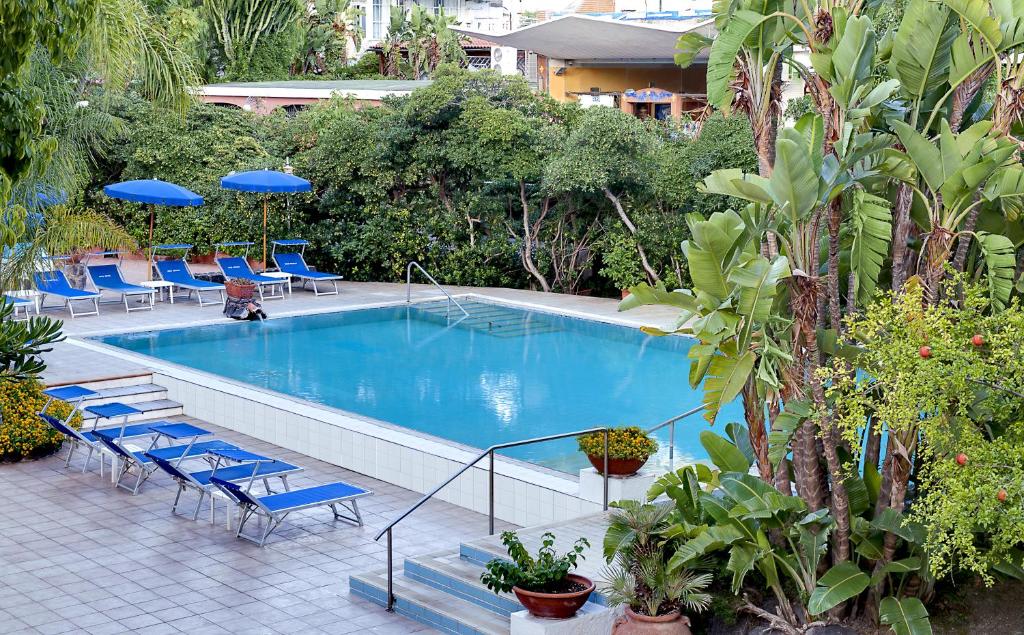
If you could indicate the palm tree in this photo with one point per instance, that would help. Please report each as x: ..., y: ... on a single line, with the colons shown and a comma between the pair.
x: 391, y: 45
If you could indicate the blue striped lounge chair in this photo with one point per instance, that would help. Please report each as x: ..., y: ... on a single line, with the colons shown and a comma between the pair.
x: 276, y: 507
x: 294, y: 264
x: 177, y: 273
x: 56, y: 283
x: 141, y: 462
x: 238, y: 267
x: 250, y: 467
x: 109, y: 278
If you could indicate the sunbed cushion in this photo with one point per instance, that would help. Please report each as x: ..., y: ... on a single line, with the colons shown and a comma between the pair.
x: 137, y: 430
x: 318, y: 495
x: 176, y: 451
x: 54, y: 283
x: 235, y: 267
x: 109, y: 277
x: 69, y: 393
x: 174, y: 271
x: 244, y: 471
x: 295, y: 265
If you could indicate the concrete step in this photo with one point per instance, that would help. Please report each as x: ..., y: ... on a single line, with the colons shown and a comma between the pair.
x: 429, y: 606
x: 112, y: 382
x: 128, y: 394
x: 450, y: 573
x: 155, y: 409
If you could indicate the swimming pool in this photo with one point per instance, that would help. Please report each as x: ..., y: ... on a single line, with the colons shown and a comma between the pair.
x: 503, y: 374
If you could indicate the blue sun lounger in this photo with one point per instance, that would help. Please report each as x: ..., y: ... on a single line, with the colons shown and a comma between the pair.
x: 141, y: 462
x: 56, y: 283
x: 276, y: 507
x: 295, y: 265
x: 109, y: 278
x: 238, y: 267
x: 251, y: 467
x: 20, y: 303
x: 177, y: 273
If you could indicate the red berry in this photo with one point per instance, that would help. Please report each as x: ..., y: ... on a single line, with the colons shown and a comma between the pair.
x: 925, y: 351
x: 978, y: 340
x: 961, y: 458
x: 1001, y: 495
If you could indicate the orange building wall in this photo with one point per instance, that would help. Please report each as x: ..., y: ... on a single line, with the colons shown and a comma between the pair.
x: 619, y: 79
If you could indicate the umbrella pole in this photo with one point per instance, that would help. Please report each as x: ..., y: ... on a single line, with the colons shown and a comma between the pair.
x: 264, y: 233
x: 149, y: 260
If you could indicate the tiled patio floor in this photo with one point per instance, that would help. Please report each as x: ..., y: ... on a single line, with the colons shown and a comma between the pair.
x: 78, y: 556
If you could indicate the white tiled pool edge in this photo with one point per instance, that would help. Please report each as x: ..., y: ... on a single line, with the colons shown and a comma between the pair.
x: 523, y: 495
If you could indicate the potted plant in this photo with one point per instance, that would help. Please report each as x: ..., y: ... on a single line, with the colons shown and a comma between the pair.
x: 240, y: 288
x: 641, y: 578
x: 628, y: 450
x: 543, y: 583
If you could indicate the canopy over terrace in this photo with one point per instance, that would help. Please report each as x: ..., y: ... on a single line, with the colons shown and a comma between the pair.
x: 588, y: 55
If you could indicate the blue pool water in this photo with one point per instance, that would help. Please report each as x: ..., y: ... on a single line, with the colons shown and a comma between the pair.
x: 501, y: 375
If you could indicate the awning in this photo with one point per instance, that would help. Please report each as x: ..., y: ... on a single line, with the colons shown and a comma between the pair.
x: 593, y: 39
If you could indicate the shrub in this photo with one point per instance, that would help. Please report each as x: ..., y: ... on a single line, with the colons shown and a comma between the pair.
x: 544, y: 574
x: 623, y: 443
x: 23, y: 435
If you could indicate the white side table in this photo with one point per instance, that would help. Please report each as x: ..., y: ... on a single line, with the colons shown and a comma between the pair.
x: 280, y: 275
x: 160, y: 286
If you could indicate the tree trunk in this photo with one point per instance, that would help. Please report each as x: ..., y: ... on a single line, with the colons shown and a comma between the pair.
x: 963, y: 243
x: 900, y: 234
x: 753, y: 410
x: 651, y: 273
x: 873, y: 447
x: 807, y: 468
x: 937, y: 253
x: 781, y: 479
x: 835, y: 219
x: 528, y: 233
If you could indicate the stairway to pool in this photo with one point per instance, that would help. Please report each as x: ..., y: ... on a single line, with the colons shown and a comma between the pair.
x: 493, y: 319
x: 443, y: 590
x: 137, y: 391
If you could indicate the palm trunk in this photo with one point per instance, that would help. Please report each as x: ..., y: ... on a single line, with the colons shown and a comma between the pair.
x: 835, y: 219
x: 900, y: 234
x: 753, y: 410
x: 807, y: 469
x: 940, y: 242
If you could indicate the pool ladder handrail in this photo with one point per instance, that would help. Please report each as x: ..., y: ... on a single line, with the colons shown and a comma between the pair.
x: 408, y: 286
x: 489, y: 452
x: 672, y: 432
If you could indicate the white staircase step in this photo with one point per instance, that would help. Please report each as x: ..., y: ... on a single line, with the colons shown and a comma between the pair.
x: 113, y: 382
x: 430, y: 606
x: 129, y: 394
x: 450, y: 573
x: 155, y: 409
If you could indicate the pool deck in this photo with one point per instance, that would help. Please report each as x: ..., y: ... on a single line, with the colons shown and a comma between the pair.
x: 69, y: 363
x: 77, y: 556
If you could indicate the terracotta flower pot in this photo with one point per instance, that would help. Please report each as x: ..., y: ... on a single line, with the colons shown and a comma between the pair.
x: 556, y: 605
x: 674, y: 623
x: 239, y: 291
x: 625, y: 293
x: 617, y: 467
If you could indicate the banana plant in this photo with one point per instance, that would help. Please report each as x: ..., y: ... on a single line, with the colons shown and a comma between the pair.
x: 731, y: 310
x: 950, y: 180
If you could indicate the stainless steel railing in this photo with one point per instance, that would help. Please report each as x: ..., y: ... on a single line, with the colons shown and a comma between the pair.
x: 408, y: 286
x: 489, y: 452
x: 672, y: 432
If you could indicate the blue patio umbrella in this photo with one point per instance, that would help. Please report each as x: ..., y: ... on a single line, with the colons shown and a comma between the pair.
x: 155, y: 192
x: 267, y: 182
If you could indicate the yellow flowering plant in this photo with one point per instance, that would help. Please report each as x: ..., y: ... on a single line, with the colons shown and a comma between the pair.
x: 23, y: 434
x: 623, y: 443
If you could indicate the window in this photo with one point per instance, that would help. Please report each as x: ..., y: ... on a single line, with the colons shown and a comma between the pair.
x: 438, y: 6
x: 378, y: 19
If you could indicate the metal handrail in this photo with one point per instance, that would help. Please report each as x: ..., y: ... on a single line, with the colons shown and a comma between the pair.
x: 408, y: 286
x: 672, y: 432
x: 489, y: 452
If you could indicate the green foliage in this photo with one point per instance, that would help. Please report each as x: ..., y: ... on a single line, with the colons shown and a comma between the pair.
x: 256, y: 39
x: 22, y: 342
x: 637, y: 547
x: 23, y: 435
x: 544, y: 573
x: 963, y: 398
x: 623, y: 443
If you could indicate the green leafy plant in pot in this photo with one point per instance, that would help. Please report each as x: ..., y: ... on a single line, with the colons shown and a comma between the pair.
x: 628, y: 450
x: 640, y: 578
x: 543, y: 583
x: 240, y: 288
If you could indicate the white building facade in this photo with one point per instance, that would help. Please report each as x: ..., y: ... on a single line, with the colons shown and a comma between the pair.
x: 487, y: 16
